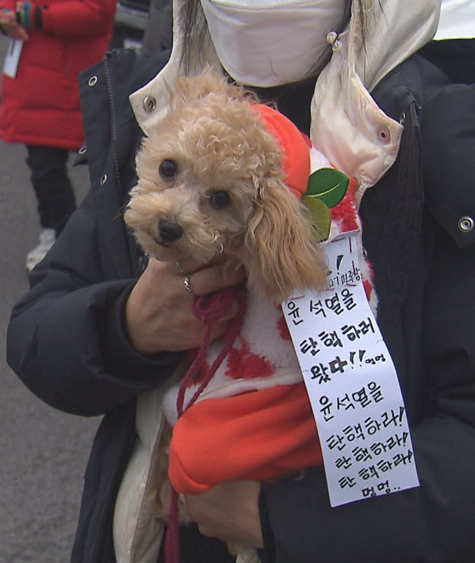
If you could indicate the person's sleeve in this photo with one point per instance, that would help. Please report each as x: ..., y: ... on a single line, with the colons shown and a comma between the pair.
x: 66, y: 339
x: 434, y: 522
x: 78, y: 18
x: 7, y: 5
x: 430, y: 523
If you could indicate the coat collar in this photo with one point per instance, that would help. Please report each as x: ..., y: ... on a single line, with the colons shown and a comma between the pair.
x: 347, y: 125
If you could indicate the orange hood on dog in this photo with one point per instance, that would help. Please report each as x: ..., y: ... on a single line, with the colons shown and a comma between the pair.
x: 294, y: 146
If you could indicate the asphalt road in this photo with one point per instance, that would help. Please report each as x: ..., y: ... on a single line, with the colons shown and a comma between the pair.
x: 43, y: 453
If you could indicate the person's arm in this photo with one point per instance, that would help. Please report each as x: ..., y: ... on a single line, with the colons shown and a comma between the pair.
x: 430, y: 523
x: 8, y: 21
x: 76, y: 18
x: 435, y: 521
x: 86, y: 342
x: 7, y: 6
x: 66, y: 338
x: 229, y: 511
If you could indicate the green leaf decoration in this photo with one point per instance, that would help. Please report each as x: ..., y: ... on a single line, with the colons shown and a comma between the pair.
x: 320, y: 215
x: 328, y: 185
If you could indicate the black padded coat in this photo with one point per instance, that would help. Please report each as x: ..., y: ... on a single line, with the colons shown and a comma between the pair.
x: 66, y: 339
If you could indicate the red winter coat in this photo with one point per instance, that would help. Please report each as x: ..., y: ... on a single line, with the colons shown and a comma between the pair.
x: 41, y: 105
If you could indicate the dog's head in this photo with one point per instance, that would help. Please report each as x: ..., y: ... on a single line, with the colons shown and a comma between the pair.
x: 211, y: 181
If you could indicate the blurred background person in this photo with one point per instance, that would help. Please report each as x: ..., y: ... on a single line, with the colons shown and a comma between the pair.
x: 55, y: 40
x: 159, y: 30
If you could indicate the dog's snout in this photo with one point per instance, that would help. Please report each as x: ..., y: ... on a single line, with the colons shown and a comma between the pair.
x: 169, y: 231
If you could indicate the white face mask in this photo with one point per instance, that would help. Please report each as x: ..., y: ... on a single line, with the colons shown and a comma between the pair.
x: 272, y: 42
x: 457, y: 20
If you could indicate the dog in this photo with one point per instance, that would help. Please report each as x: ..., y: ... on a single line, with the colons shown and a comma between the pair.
x: 211, y: 182
x: 220, y: 177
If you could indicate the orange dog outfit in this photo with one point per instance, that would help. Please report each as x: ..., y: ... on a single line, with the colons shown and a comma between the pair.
x: 252, y: 420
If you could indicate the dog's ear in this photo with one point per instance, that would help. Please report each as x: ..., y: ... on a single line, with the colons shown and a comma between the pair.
x: 283, y: 253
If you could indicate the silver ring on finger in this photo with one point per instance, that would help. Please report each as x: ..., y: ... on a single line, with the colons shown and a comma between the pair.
x: 179, y: 268
x: 186, y: 283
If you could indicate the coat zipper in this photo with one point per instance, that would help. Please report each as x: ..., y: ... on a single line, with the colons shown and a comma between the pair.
x: 110, y: 98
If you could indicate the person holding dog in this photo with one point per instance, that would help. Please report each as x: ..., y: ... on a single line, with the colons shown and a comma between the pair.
x: 102, y: 332
x: 40, y: 98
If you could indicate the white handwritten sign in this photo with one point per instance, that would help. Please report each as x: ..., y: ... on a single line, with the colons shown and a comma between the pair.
x: 352, y: 384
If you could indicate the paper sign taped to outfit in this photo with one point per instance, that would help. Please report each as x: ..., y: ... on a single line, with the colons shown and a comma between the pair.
x: 12, y: 58
x: 352, y: 384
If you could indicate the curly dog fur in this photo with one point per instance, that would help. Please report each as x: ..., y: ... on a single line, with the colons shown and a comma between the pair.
x: 211, y: 181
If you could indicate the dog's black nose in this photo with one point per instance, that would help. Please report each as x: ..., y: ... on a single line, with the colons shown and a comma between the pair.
x: 169, y: 231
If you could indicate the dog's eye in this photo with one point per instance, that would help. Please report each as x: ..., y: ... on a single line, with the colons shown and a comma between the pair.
x: 220, y: 199
x: 167, y: 168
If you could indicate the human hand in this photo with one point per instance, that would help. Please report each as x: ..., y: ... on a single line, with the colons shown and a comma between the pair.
x: 158, y: 311
x: 11, y: 27
x: 230, y: 512
x: 27, y: 15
